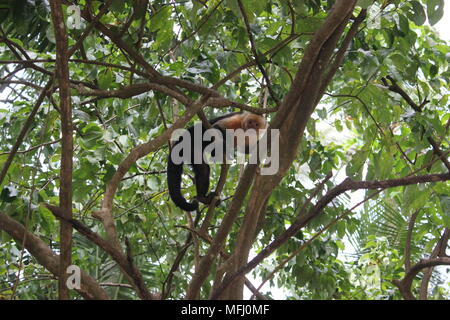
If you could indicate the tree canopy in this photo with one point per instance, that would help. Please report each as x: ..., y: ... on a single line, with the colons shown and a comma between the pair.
x: 91, y: 91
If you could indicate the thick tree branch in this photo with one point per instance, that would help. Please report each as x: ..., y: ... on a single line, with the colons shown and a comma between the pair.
x: 224, y: 255
x: 138, y: 152
x: 341, y: 53
x: 439, y: 250
x: 65, y: 193
x: 311, y: 64
x: 412, y: 221
x: 139, y: 88
x: 134, y: 90
x: 303, y: 220
x: 405, y: 284
x: 129, y: 269
x: 291, y: 120
x: 90, y: 289
x: 206, y: 262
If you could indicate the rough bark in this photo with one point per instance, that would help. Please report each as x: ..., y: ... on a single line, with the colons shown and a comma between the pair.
x: 90, y: 289
x: 65, y: 193
x: 313, y: 75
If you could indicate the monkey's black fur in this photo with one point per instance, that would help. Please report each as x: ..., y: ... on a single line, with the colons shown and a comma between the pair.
x: 201, y: 172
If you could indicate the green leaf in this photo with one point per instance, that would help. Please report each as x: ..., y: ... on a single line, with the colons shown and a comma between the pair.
x: 105, y: 79
x: 92, y: 135
x: 234, y: 7
x: 110, y: 171
x: 417, y: 14
x: 118, y: 6
x: 341, y: 227
x: 161, y: 19
x: 415, y: 198
x: 355, y: 166
x: 445, y: 205
x: 255, y: 6
x: 47, y: 220
x: 385, y: 164
x: 433, y: 70
x: 435, y: 11
x: 403, y: 24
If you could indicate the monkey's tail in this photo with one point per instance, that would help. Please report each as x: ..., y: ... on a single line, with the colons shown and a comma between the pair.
x: 174, y: 172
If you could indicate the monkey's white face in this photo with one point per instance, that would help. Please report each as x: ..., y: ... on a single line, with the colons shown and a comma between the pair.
x: 257, y: 124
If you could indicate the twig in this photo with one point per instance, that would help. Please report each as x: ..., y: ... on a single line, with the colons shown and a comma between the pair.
x: 23, y: 82
x: 394, y: 87
x: 255, y: 53
x: 321, y: 231
x: 33, y: 148
x: 120, y: 285
x: 24, y: 130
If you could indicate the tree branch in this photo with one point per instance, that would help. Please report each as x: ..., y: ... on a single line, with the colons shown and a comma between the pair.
x: 340, y: 54
x: 394, y: 87
x: 65, y: 193
x: 439, y: 250
x: 303, y: 220
x: 255, y: 53
x: 90, y: 289
x: 405, y: 284
x: 134, y: 90
x: 291, y: 120
x: 24, y: 130
x: 223, y: 254
x: 206, y: 262
x: 33, y: 148
x: 412, y: 221
x: 130, y: 271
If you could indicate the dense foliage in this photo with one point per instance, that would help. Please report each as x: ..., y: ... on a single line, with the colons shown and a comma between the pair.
x: 363, y: 129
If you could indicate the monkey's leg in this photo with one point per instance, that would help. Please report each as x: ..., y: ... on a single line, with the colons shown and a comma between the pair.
x: 201, y: 172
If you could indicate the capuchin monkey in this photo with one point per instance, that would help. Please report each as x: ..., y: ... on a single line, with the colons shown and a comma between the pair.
x: 237, y: 120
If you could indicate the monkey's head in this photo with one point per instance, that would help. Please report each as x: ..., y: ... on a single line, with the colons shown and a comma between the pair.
x: 254, y: 121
